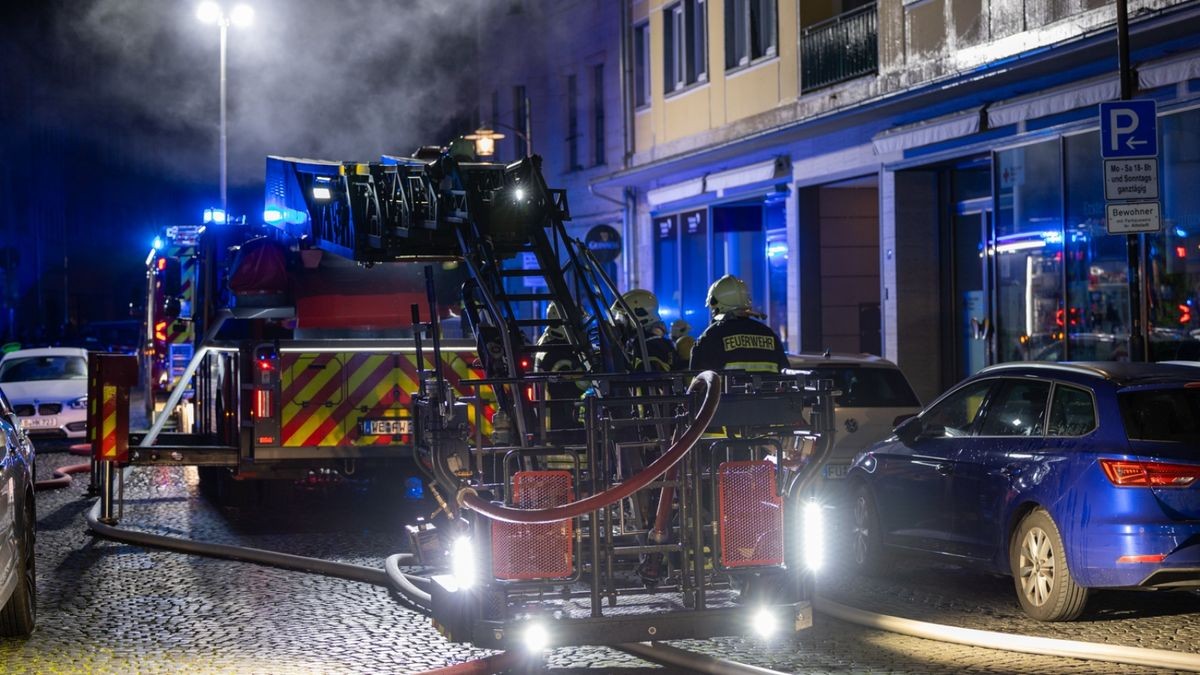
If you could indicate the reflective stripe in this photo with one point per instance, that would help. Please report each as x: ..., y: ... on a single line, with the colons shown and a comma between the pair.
x: 753, y: 366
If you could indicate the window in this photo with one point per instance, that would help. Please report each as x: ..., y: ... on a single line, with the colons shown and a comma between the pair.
x: 1017, y: 409
x: 684, y: 29
x: 1171, y: 415
x: 869, y: 387
x: 572, y: 123
x: 1071, y: 412
x: 956, y: 413
x: 749, y: 31
x: 641, y: 65
x: 42, y: 368
x: 598, y: 114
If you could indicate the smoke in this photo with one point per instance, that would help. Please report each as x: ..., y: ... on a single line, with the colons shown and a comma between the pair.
x: 331, y: 79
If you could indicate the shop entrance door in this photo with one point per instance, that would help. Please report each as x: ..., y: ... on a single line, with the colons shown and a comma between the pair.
x: 972, y: 315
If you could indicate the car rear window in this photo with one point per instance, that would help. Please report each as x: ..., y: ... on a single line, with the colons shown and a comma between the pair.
x: 34, y: 368
x: 1161, y: 414
x: 869, y: 387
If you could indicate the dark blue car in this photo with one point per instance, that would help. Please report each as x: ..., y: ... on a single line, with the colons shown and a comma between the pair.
x: 1068, y: 476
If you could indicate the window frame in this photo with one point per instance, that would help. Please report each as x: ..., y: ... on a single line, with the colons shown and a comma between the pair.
x: 739, y: 33
x: 685, y: 52
x: 1095, y: 411
x: 572, y: 139
x: 599, y: 138
x: 987, y: 406
x: 642, y: 93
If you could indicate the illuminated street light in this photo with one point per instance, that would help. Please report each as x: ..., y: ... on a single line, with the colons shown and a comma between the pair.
x: 241, y: 16
x: 485, y: 141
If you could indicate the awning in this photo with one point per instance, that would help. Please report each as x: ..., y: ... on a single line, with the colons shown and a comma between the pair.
x: 947, y: 127
x: 1053, y: 101
x: 1164, y: 72
x: 747, y: 175
x: 675, y: 192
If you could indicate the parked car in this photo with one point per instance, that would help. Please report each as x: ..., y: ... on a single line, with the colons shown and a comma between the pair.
x: 1067, y: 476
x: 18, y: 583
x: 875, y: 394
x: 48, y: 389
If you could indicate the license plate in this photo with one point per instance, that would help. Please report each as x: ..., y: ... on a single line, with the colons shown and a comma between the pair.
x: 390, y: 427
x: 39, y: 422
x: 836, y: 471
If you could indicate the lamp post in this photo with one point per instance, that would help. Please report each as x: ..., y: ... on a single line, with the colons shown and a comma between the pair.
x: 485, y: 137
x: 241, y: 16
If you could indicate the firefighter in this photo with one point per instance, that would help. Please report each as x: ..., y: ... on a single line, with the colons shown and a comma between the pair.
x: 680, y: 335
x: 736, y: 340
x: 659, y: 348
x: 558, y: 356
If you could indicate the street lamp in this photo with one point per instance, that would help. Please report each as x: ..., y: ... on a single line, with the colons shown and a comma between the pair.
x: 241, y: 16
x: 485, y: 140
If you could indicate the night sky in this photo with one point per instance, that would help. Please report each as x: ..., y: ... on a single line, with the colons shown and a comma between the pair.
x: 109, y: 117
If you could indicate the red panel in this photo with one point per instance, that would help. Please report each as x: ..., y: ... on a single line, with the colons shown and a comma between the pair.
x: 535, y: 551
x: 751, y: 515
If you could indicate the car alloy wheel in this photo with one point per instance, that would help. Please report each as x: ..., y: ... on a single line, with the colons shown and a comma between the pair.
x: 1045, y: 587
x: 18, y: 616
x: 865, y: 540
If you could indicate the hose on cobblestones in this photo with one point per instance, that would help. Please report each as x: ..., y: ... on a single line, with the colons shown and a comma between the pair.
x: 62, y: 477
x: 496, y: 663
x: 693, y: 662
x: 403, y: 584
x: 1027, y: 644
x: 370, y: 575
x: 712, y: 396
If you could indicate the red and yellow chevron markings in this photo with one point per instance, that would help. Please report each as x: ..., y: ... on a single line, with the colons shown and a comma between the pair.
x: 327, y: 395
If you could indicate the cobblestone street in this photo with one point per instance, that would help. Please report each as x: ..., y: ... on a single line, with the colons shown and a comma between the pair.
x: 110, y: 607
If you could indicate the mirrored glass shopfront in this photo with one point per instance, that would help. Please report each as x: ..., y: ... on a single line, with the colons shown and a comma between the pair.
x: 1060, y: 286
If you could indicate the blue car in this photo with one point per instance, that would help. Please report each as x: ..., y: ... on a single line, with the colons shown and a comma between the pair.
x: 1068, y: 476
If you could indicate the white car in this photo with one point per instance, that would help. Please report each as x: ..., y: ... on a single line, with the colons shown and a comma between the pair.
x: 48, y: 390
x: 875, y: 394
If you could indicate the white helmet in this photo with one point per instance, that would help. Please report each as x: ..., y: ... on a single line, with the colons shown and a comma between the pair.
x: 679, y: 328
x: 644, y: 306
x: 729, y: 295
x: 556, y: 332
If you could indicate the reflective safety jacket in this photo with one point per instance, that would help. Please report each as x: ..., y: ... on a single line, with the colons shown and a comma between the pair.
x: 662, y: 353
x: 739, y: 343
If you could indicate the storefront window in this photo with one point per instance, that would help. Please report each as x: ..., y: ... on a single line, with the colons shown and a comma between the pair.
x: 666, y: 266
x: 694, y: 268
x: 775, y: 303
x: 739, y: 245
x: 1097, y: 262
x: 1028, y: 251
x: 1174, y: 253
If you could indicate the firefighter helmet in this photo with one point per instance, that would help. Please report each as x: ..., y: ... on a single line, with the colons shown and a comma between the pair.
x: 679, y: 328
x: 644, y: 306
x: 555, y: 330
x: 729, y: 295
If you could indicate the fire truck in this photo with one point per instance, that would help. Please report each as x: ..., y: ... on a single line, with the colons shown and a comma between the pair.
x: 386, y: 312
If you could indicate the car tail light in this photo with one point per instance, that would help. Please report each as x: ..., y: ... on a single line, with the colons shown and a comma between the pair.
x: 1127, y: 473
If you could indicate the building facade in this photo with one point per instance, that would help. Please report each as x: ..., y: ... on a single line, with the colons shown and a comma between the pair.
x: 916, y: 178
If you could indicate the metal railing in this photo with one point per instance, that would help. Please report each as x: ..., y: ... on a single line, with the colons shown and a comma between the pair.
x: 841, y: 48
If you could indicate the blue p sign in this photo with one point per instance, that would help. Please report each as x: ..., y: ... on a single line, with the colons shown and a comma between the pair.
x: 1128, y: 129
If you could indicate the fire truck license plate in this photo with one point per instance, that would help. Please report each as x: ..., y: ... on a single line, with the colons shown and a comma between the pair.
x: 390, y: 427
x: 39, y: 422
x: 836, y: 471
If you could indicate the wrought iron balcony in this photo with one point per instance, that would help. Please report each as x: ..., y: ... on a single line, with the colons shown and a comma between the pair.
x: 839, y: 49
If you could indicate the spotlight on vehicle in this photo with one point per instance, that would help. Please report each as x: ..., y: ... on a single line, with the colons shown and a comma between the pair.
x: 814, y: 535
x: 322, y: 193
x: 519, y: 194
x: 765, y: 623
x: 462, y: 562
x: 535, y: 637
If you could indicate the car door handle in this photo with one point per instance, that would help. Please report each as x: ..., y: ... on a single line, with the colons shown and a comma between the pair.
x: 945, y: 468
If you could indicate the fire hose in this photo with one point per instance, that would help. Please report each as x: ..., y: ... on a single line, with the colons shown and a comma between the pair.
x: 468, y: 498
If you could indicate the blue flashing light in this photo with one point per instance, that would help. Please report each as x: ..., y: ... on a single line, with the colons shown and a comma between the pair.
x: 215, y: 216
x: 158, y: 243
x: 1180, y: 232
x: 667, y: 313
x: 1052, y: 237
x: 413, y: 488
x: 777, y: 251
x: 272, y: 216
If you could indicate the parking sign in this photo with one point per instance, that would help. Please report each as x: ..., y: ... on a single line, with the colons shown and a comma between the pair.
x: 1128, y: 129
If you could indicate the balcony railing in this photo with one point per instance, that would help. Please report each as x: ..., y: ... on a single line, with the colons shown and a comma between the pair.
x: 840, y: 48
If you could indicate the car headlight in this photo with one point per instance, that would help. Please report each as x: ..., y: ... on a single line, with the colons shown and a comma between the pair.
x: 78, y: 404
